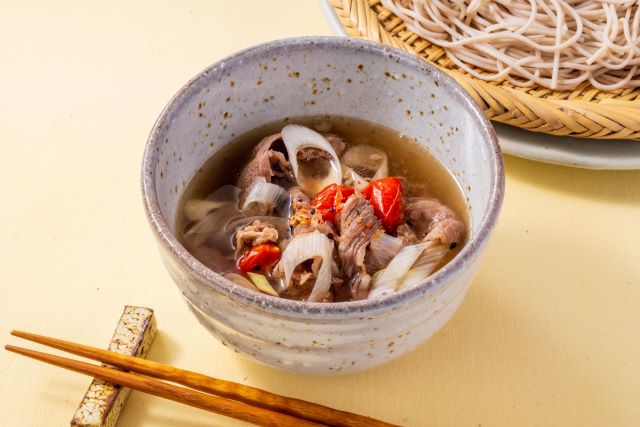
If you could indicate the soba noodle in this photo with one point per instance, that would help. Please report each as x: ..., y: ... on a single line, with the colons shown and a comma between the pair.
x: 555, y: 43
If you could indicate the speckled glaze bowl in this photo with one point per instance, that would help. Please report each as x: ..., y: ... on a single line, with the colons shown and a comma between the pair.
x: 312, y: 76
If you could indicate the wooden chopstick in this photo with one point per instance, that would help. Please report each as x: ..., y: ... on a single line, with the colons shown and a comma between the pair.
x: 249, y: 395
x: 212, y: 403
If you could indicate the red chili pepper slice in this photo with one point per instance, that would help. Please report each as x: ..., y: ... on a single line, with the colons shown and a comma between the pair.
x: 259, y: 258
x: 329, y: 201
x: 385, y: 194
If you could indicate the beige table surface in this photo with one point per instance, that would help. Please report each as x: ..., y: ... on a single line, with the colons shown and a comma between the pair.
x: 549, y: 333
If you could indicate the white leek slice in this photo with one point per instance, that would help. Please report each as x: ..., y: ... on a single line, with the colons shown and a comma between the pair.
x: 266, y: 197
x: 425, y: 265
x: 367, y: 161
x: 307, y: 246
x: 382, y: 249
x: 240, y: 280
x: 226, y: 193
x: 358, y: 182
x: 392, y: 277
x: 196, y: 209
x: 296, y: 138
x: 262, y: 283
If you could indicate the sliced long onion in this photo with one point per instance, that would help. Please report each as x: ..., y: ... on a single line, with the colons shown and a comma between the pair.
x: 297, y: 138
x: 392, y: 277
x: 425, y: 265
x: 367, y: 161
x: 265, y: 198
x: 197, y: 209
x: 213, y: 227
x: 262, y: 283
x: 301, y: 248
x: 240, y: 280
x: 382, y: 249
x: 356, y: 180
x: 226, y: 193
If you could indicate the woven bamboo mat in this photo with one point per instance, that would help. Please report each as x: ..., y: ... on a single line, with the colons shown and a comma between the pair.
x: 585, y: 112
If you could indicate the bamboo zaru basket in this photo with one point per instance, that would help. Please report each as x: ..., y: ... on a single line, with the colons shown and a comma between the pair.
x: 585, y: 112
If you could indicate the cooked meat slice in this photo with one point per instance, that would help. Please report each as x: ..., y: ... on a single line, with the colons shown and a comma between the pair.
x: 413, y: 188
x: 268, y: 160
x: 336, y: 142
x: 381, y: 251
x: 299, y: 200
x: 406, y: 234
x: 432, y: 220
x: 303, y: 219
x: 307, y: 155
x: 358, y: 225
x: 256, y: 233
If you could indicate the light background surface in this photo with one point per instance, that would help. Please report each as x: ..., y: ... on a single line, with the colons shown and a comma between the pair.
x: 548, y: 334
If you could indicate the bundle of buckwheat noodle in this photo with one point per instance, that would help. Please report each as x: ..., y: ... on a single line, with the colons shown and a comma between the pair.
x: 554, y: 43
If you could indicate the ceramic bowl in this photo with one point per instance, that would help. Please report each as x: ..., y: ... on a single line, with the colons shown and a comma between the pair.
x: 313, y: 76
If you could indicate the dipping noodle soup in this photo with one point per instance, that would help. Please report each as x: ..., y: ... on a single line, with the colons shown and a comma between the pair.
x: 323, y: 209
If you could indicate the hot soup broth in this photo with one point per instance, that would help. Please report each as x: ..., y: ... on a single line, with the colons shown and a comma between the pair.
x: 366, y: 212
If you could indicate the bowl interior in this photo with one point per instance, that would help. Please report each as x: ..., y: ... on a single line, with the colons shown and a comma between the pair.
x: 326, y: 76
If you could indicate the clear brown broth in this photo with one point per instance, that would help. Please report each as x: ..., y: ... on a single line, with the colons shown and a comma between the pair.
x: 406, y: 158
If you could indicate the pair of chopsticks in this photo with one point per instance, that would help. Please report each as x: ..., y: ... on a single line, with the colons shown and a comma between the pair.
x: 211, y: 394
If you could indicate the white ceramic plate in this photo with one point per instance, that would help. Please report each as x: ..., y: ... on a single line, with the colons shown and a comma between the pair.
x: 563, y: 150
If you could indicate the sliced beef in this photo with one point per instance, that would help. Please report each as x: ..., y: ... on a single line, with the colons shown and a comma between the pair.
x: 256, y: 233
x: 432, y: 220
x: 268, y: 160
x: 405, y: 233
x: 358, y: 225
x: 336, y: 142
x: 413, y: 188
x: 303, y: 219
x: 299, y: 199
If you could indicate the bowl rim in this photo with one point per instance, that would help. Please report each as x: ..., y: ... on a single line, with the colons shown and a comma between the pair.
x: 318, y: 310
